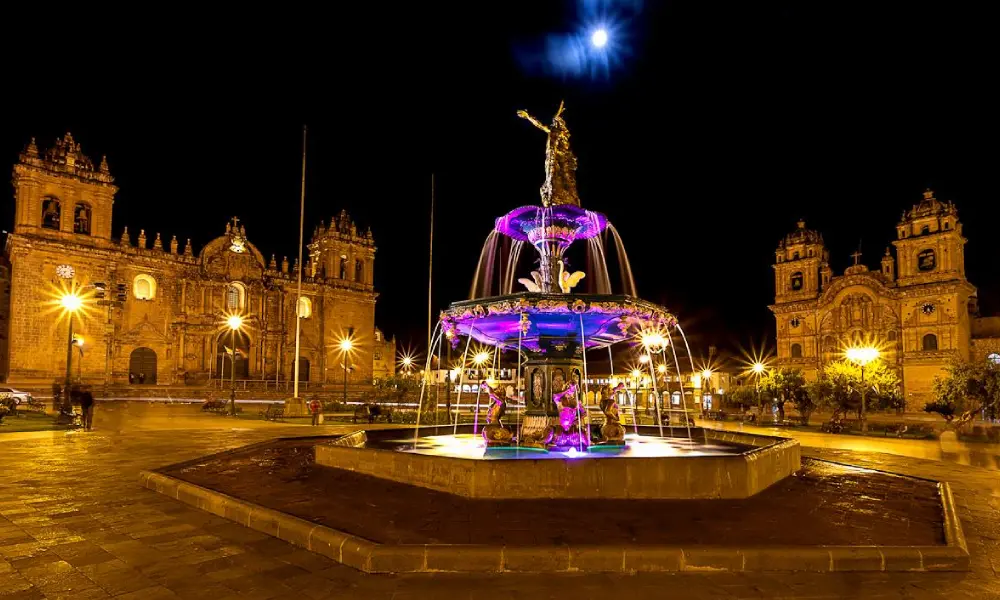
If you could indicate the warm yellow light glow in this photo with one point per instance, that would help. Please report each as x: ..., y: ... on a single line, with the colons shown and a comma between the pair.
x: 662, y: 368
x: 644, y: 359
x: 71, y: 302
x: 759, y: 368
x: 706, y: 374
x: 407, y: 361
x: 652, y: 340
x: 346, y: 345
x: 614, y: 381
x: 78, y: 340
x: 234, y: 322
x: 636, y: 374
x: 481, y: 358
x: 862, y: 355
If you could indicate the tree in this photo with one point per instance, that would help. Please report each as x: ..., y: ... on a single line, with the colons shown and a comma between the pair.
x: 742, y: 396
x: 843, y: 385
x: 785, y: 385
x: 394, y: 389
x: 969, y: 388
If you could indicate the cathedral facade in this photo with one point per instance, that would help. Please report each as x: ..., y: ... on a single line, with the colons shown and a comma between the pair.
x: 918, y: 308
x: 155, y: 311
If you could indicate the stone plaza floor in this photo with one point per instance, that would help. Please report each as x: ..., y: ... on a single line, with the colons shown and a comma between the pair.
x: 74, y: 523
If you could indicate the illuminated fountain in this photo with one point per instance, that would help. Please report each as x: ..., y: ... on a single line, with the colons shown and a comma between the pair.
x: 522, y: 449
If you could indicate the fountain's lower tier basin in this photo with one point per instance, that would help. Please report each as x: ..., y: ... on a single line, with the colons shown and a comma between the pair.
x: 718, y: 464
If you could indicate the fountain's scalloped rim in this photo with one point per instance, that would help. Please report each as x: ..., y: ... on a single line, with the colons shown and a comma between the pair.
x: 503, y: 320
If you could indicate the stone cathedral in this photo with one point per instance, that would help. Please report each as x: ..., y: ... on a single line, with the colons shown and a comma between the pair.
x: 919, y: 309
x: 154, y: 310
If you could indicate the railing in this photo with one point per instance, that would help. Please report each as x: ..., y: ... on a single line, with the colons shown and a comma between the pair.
x: 283, y: 386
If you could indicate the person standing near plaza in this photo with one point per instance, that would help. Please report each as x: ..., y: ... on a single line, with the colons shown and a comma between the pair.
x: 87, y: 408
x: 314, y: 408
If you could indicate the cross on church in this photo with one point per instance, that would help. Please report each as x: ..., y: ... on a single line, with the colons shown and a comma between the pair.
x: 236, y: 222
x: 857, y: 256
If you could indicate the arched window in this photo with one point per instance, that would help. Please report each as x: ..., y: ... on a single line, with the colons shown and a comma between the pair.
x: 235, y: 296
x: 51, y: 212
x: 796, y: 281
x: 891, y: 336
x: 795, y: 256
x: 829, y: 343
x: 343, y: 267
x: 796, y: 350
x: 930, y: 342
x: 994, y: 358
x: 305, y: 308
x: 81, y: 219
x: 926, y: 261
x: 947, y: 225
x: 925, y: 230
x: 143, y: 287
x: 359, y: 271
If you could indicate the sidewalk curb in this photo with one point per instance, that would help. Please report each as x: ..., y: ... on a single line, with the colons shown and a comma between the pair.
x: 371, y: 557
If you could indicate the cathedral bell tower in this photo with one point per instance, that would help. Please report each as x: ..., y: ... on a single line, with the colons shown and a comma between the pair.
x: 60, y: 193
x: 929, y: 244
x: 800, y: 268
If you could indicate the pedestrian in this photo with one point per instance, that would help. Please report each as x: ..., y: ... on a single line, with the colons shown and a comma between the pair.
x: 56, y: 396
x: 142, y: 378
x: 87, y: 408
x: 314, y: 408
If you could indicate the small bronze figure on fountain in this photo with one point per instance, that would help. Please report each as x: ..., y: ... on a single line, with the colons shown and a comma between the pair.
x: 495, y: 432
x: 612, y: 432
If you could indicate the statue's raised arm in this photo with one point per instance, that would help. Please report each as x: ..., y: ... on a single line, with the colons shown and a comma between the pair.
x: 524, y: 115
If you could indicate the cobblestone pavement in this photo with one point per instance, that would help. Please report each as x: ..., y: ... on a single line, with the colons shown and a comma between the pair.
x: 74, y: 523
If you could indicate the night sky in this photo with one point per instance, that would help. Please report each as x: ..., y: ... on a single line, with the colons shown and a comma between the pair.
x: 714, y: 129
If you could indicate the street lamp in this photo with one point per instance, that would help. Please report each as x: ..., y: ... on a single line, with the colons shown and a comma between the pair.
x: 71, y: 303
x: 706, y: 385
x: 234, y: 322
x: 861, y: 356
x: 758, y: 368
x: 346, y: 345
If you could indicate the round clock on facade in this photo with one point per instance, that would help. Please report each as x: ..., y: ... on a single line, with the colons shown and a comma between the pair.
x: 927, y: 308
x: 65, y: 271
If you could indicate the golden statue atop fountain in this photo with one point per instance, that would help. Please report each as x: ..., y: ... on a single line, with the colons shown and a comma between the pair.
x: 560, y: 163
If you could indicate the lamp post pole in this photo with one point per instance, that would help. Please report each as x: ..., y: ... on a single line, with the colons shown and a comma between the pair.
x: 345, y: 380
x: 67, y: 404
x: 232, y: 374
x: 864, y: 416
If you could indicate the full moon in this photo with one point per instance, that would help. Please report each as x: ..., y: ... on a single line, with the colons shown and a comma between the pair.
x: 599, y: 38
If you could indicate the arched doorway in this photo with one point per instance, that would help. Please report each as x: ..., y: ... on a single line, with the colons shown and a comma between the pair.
x: 223, y: 362
x: 303, y: 369
x: 142, y: 366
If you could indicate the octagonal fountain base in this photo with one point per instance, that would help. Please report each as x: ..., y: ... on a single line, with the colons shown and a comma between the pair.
x: 718, y: 464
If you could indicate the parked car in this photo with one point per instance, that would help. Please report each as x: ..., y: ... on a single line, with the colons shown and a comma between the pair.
x: 18, y: 396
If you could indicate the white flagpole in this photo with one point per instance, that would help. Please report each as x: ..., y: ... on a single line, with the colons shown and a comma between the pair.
x: 298, y: 296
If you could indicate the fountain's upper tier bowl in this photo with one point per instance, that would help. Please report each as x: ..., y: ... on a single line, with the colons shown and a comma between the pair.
x: 543, y: 322
x: 561, y: 222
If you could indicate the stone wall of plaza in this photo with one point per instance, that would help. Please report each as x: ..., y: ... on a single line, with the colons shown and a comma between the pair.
x: 154, y: 311
x: 918, y: 308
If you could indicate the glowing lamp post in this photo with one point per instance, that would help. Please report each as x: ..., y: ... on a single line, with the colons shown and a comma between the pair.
x: 234, y: 323
x: 407, y: 364
x: 861, y: 356
x: 346, y: 345
x: 71, y: 303
x: 706, y: 386
x: 758, y: 369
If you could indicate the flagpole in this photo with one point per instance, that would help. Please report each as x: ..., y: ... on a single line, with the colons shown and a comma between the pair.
x: 430, y: 269
x: 298, y: 296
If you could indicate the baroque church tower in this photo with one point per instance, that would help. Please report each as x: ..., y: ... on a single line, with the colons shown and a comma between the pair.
x: 915, y: 308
